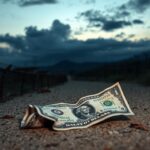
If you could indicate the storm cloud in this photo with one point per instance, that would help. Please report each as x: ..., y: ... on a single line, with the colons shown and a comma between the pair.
x: 136, y: 5
x: 16, y: 42
x: 48, y: 46
x: 138, y: 21
x: 24, y: 3
x: 106, y: 22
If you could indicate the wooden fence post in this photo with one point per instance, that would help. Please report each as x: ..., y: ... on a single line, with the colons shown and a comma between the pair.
x: 2, y: 78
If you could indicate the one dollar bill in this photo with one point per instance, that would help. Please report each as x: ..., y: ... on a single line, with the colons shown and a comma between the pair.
x: 88, y: 111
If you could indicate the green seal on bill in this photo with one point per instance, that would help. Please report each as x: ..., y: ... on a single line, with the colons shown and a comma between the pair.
x: 107, y: 103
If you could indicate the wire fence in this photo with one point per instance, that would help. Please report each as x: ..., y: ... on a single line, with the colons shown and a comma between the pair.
x: 20, y: 81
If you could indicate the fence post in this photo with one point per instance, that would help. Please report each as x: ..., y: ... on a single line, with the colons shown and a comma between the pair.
x: 2, y: 78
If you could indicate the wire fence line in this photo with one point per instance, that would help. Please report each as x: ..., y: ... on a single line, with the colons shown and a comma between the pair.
x: 25, y: 80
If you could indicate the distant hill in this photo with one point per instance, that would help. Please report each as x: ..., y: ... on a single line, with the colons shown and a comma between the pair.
x: 135, y: 64
x: 128, y: 68
x: 135, y: 68
x: 69, y: 67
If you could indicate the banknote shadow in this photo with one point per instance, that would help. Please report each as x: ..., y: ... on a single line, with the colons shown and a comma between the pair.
x: 116, y: 118
x: 112, y: 121
x: 48, y: 124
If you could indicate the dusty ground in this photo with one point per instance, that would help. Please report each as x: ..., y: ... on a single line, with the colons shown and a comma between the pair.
x: 109, y: 135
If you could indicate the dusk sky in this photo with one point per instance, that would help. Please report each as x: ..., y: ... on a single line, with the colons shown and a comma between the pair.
x: 44, y: 32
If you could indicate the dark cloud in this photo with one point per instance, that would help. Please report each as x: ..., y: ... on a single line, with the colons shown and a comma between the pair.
x: 138, y: 21
x: 120, y: 35
x: 137, y: 5
x: 110, y: 25
x: 24, y: 3
x: 140, y: 5
x: 36, y: 2
x: 58, y: 31
x: 106, y: 22
x: 16, y: 42
x: 52, y: 45
x: 124, y: 36
x: 38, y: 43
x: 48, y: 40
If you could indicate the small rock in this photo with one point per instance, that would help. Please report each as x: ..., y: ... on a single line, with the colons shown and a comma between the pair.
x: 113, y: 132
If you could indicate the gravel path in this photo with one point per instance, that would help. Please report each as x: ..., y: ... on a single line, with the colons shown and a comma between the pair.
x: 109, y: 135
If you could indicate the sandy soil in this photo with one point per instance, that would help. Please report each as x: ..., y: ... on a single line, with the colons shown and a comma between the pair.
x: 112, y: 134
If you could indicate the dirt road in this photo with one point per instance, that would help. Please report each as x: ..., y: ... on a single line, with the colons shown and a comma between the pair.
x: 109, y: 135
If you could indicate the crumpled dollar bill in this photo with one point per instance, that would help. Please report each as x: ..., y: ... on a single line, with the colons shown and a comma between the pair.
x: 88, y: 111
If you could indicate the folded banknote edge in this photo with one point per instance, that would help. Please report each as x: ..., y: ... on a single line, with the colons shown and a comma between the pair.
x: 81, y: 127
x: 92, y: 123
